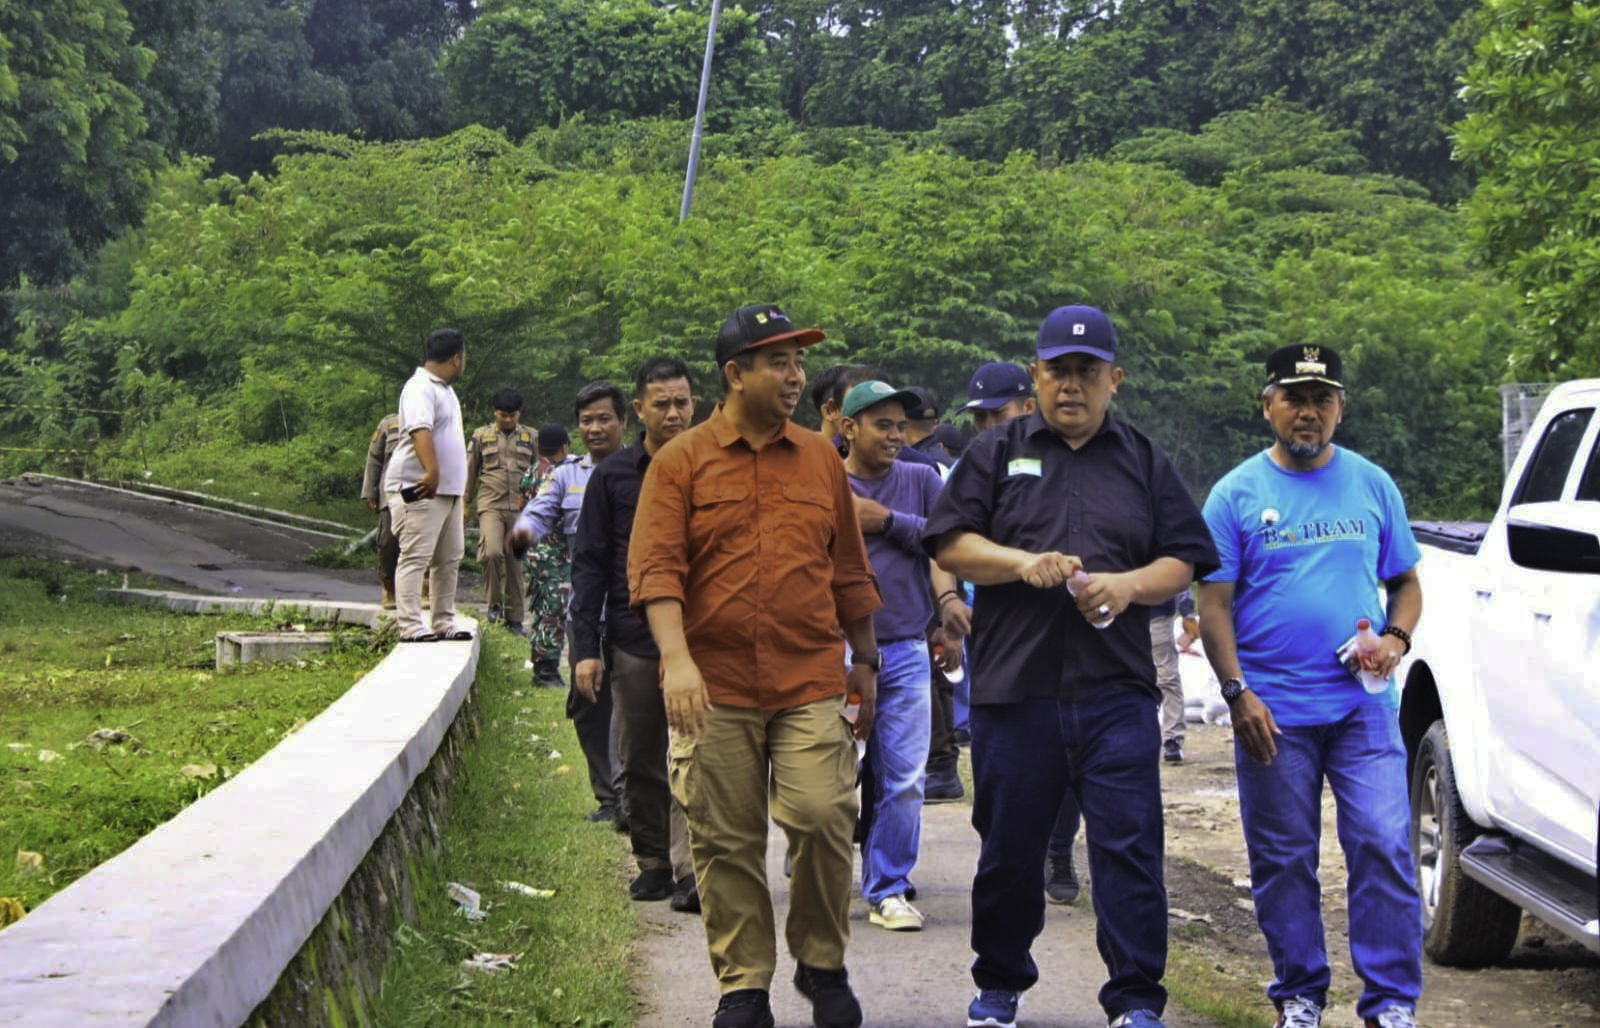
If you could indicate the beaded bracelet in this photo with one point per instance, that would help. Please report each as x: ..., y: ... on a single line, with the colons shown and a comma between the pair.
x: 1398, y: 633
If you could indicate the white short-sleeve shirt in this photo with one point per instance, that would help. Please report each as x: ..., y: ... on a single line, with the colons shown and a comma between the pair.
x: 427, y: 401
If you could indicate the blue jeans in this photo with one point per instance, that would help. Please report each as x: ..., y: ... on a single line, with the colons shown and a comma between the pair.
x: 1026, y: 756
x: 897, y: 754
x: 1364, y: 761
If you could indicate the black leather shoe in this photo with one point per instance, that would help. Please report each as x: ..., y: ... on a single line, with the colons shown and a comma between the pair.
x: 743, y: 1008
x: 833, y: 1005
x: 652, y: 885
x: 942, y: 786
x: 686, y: 897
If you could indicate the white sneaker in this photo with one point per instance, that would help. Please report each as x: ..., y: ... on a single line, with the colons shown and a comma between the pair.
x: 1393, y: 1017
x: 1299, y: 1012
x: 897, y: 915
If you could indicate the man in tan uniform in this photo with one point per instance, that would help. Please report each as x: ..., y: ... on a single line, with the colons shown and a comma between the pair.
x: 497, y: 457
x: 384, y: 440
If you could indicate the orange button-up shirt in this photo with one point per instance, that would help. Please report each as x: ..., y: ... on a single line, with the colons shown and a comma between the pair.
x: 763, y: 549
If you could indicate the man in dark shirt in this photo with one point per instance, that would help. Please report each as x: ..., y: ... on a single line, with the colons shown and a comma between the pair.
x: 663, y: 397
x: 1058, y: 704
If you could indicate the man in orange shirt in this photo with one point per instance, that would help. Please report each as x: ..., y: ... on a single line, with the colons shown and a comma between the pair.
x: 748, y: 566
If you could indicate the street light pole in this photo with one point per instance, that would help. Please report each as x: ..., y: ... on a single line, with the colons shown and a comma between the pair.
x: 700, y: 114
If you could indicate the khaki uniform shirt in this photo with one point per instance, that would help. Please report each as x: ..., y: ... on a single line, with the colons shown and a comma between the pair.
x: 496, y: 462
x: 384, y: 441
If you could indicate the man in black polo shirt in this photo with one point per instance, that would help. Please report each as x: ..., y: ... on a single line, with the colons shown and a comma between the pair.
x: 663, y: 397
x: 1059, y: 705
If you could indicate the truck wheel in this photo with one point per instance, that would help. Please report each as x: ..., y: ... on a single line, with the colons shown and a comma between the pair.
x: 1464, y: 924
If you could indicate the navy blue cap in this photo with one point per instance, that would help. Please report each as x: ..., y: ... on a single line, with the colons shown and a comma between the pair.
x: 1077, y: 330
x: 760, y: 324
x: 996, y: 384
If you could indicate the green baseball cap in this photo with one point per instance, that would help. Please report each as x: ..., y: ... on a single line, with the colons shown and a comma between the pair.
x: 871, y: 393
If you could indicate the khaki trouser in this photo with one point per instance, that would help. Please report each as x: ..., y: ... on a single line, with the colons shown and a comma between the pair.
x: 804, y: 760
x: 494, y: 526
x: 430, y: 541
x: 656, y: 824
x: 1169, y: 679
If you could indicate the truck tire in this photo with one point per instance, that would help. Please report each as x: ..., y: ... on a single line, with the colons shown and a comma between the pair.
x: 1464, y: 924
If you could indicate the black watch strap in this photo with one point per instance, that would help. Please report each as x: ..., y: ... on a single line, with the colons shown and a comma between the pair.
x: 1233, y: 688
x: 872, y: 659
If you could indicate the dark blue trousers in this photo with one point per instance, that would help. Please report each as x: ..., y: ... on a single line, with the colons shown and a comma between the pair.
x: 1026, y: 756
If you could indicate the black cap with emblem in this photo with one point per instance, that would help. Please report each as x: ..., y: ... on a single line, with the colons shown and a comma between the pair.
x: 1305, y: 362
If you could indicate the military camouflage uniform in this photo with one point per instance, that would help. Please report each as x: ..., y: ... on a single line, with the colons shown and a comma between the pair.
x: 549, y: 576
x: 497, y: 462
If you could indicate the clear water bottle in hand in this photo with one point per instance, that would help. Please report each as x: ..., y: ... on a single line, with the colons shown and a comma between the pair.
x: 1367, y: 647
x: 1075, y: 585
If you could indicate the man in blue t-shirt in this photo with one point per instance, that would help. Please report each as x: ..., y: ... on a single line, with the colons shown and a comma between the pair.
x: 1306, y: 532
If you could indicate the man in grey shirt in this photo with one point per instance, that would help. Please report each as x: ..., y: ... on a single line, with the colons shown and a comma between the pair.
x: 424, y: 485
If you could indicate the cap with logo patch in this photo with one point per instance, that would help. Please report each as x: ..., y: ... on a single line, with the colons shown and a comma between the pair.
x: 1076, y: 329
x: 996, y: 384
x: 760, y: 324
x: 1304, y: 362
x: 872, y: 393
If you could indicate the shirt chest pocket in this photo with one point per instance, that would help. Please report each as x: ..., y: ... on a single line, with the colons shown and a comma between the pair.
x: 491, y: 455
x: 804, y: 522
x: 721, y: 515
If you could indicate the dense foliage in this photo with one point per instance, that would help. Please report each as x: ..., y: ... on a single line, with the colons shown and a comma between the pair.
x: 286, y: 312
x: 231, y: 221
x: 1534, y: 136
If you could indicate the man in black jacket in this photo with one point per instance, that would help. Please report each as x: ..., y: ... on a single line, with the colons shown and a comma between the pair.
x: 663, y: 398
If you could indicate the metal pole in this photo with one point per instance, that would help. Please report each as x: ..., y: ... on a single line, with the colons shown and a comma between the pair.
x: 700, y: 114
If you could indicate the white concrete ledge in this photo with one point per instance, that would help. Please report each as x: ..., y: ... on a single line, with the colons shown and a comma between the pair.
x: 333, y: 612
x: 194, y: 923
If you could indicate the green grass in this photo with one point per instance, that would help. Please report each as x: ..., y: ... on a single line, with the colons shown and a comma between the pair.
x: 516, y: 814
x: 73, y: 666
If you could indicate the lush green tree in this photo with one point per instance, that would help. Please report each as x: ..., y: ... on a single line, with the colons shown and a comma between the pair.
x: 181, y: 92
x: 366, y: 67
x: 523, y: 67
x: 1533, y: 134
x: 1386, y: 69
x: 1272, y: 136
x: 75, y: 164
x: 903, y: 64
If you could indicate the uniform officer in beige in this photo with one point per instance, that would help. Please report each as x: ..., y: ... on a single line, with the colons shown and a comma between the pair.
x: 385, y: 439
x: 497, y: 457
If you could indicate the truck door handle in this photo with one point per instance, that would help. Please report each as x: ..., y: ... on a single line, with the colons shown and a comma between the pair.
x: 1542, y: 616
x: 1482, y: 594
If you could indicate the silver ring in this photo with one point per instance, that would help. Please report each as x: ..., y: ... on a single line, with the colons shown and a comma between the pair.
x: 1104, y: 610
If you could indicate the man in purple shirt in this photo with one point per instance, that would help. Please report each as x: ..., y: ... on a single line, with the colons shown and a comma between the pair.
x: 874, y: 425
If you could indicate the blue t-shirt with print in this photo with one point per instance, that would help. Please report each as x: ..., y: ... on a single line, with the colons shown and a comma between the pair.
x: 1307, y: 552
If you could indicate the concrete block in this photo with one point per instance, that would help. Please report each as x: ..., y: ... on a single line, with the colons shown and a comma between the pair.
x: 258, y: 647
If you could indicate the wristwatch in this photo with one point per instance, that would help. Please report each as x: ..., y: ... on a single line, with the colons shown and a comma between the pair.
x: 872, y: 659
x: 1232, y: 689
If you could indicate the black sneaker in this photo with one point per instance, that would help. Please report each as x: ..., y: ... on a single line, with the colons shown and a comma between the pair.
x: 547, y: 673
x: 606, y: 815
x: 652, y: 885
x: 1172, y: 751
x: 942, y: 786
x: 1061, y: 884
x: 686, y: 897
x: 743, y: 1008
x: 833, y: 1005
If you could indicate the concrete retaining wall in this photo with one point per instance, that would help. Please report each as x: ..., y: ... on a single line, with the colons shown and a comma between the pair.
x: 196, y: 923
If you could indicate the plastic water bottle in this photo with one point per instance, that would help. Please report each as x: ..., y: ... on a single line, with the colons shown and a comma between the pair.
x: 1075, y: 585
x: 953, y: 677
x: 1367, y: 652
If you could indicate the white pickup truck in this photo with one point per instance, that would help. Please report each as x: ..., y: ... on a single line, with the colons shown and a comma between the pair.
x: 1501, y: 702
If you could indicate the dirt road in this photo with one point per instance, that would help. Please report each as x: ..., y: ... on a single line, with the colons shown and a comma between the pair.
x: 915, y: 980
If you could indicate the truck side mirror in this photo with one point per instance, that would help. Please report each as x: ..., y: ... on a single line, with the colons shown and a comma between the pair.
x: 1553, y: 548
